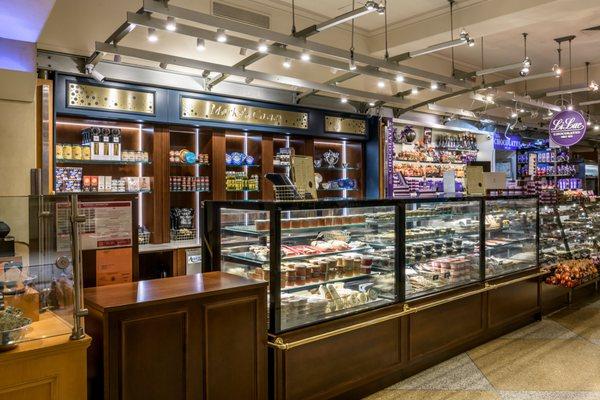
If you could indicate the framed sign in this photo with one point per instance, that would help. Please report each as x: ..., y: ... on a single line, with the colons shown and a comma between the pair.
x: 567, y: 128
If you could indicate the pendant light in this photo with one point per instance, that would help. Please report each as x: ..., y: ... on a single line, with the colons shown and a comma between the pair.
x: 526, y: 65
x: 352, y: 63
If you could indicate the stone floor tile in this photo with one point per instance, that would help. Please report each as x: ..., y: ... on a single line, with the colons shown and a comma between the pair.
x: 549, y: 395
x: 544, y: 329
x: 584, y: 321
x: 389, y: 394
x: 458, y: 373
x: 539, y: 364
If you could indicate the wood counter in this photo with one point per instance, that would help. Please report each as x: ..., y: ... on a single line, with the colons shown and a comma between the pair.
x: 185, y: 337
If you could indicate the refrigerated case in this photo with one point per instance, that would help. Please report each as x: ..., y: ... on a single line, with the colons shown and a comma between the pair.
x: 333, y: 258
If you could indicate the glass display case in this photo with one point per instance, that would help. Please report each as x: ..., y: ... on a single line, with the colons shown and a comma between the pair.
x: 441, y: 245
x: 323, y: 259
x: 511, y: 238
x: 332, y: 258
x: 39, y: 291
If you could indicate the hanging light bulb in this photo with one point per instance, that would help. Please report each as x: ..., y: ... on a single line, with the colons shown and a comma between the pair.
x: 305, y: 56
x: 171, y: 25
x: 200, y: 44
x: 352, y: 64
x: 399, y: 78
x: 596, y: 127
x: 557, y: 70
x: 287, y: 63
x: 514, y: 114
x: 570, y: 107
x: 262, y: 46
x: 434, y: 86
x: 589, y: 123
x: 526, y: 67
x: 151, y: 35
x: 221, y: 36
x: 380, y: 84
x: 344, y: 100
x: 522, y: 110
x: 371, y: 5
x: 594, y: 86
x: 414, y: 90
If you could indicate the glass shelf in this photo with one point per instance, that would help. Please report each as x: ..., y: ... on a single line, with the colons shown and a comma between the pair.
x: 102, y: 162
x: 336, y: 168
x: 252, y: 259
x: 242, y: 165
x: 242, y: 191
x: 429, y: 162
x: 180, y: 164
x: 106, y: 193
x: 190, y: 191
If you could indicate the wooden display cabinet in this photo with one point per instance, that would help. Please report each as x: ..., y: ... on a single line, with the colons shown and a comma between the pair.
x: 251, y: 144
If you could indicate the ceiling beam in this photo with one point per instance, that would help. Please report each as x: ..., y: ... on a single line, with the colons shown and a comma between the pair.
x: 237, y: 71
x: 234, y: 26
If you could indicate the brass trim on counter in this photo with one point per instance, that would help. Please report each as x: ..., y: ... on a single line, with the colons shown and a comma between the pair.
x: 280, y: 344
x: 208, y: 110
x: 109, y: 98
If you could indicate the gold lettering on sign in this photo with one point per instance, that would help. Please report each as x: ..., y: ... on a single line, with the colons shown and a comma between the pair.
x: 108, y: 98
x: 241, y: 114
x: 345, y: 125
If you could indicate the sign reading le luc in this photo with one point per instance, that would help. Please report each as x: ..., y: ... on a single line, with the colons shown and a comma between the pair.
x: 567, y: 128
x: 241, y: 114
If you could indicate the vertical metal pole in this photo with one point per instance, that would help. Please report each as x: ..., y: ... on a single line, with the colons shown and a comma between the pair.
x: 78, y: 311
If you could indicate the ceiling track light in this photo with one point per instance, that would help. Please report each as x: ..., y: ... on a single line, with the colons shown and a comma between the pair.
x: 248, y: 80
x: 462, y: 40
x: 380, y: 84
x: 399, y: 78
x: 514, y: 115
x: 91, y: 70
x: 596, y: 127
x: 414, y: 90
x: 380, y: 9
x: 287, y: 63
x: 200, y: 44
x: 570, y: 107
x: 163, y: 65
x: 205, y: 73
x: 151, y: 35
x: 305, y: 56
x: 344, y: 100
x: 262, y: 46
x: 434, y: 86
x: 371, y: 5
x: 171, y: 25
x: 371, y: 103
x: 221, y: 35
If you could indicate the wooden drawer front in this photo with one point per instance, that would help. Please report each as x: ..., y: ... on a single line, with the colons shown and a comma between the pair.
x: 45, y: 389
x: 512, y: 302
x: 153, y: 346
x: 445, y: 326
x: 325, y: 364
x: 235, y: 349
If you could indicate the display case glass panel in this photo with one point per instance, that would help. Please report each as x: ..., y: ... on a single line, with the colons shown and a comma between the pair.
x: 331, y: 262
x: 441, y: 246
x: 552, y: 241
x: 578, y: 228
x: 510, y: 235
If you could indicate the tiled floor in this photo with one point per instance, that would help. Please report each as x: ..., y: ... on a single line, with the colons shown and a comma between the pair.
x: 557, y: 358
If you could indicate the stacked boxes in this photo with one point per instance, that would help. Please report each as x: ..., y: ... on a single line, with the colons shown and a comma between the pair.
x: 68, y: 179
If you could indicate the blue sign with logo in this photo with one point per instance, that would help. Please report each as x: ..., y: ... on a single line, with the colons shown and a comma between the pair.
x: 506, y: 142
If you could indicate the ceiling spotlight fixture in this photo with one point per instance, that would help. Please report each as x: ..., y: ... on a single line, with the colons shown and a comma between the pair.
x: 526, y: 60
x: 550, y: 113
x: 243, y: 51
x: 371, y: 103
x: 596, y: 127
x: 380, y: 84
x: 352, y: 63
x: 221, y: 36
x: 489, y: 98
x: 163, y: 65
x: 305, y: 56
x: 589, y: 123
x: 205, y: 73
x: 248, y: 80
x: 514, y: 114
x: 464, y: 38
x: 371, y: 5
x: 570, y: 107
x: 414, y: 90
x: 117, y: 58
x: 434, y: 86
x: 262, y: 46
x: 171, y: 25
x: 380, y: 9
x: 287, y: 63
x: 90, y: 69
x: 200, y: 44
x: 399, y: 78
x: 522, y: 110
x: 557, y: 70
x: 344, y: 100
x: 151, y: 35
x: 594, y: 86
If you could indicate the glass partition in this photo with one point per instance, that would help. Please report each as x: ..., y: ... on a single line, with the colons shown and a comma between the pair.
x: 38, y: 294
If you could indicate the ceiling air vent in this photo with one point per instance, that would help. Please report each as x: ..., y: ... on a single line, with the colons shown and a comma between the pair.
x: 241, y: 15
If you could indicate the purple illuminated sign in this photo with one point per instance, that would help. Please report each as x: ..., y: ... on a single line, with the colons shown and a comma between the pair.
x: 506, y: 142
x: 567, y: 128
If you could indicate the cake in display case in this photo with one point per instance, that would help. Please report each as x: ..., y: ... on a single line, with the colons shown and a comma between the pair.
x: 333, y: 258
x: 511, y: 235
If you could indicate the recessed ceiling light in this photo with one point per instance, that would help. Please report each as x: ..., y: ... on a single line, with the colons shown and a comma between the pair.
x: 151, y: 35
x: 287, y: 63
x: 380, y: 83
x: 305, y: 56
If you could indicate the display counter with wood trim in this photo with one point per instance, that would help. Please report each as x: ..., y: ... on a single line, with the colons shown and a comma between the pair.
x: 184, y: 337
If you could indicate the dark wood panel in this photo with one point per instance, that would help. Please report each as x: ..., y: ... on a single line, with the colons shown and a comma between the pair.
x: 330, y: 363
x: 511, y: 302
x: 442, y: 327
x: 217, y: 144
x: 154, y: 346
x: 233, y: 331
x: 266, y: 167
x: 156, y: 204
